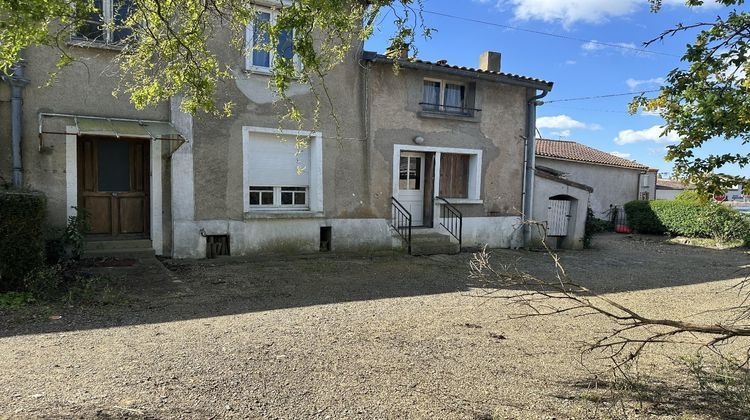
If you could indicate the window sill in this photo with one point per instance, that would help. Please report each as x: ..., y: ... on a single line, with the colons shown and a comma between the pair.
x: 462, y: 201
x: 282, y: 214
x: 99, y: 45
x: 447, y: 116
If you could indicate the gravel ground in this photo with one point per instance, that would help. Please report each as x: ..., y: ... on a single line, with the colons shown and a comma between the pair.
x: 352, y: 337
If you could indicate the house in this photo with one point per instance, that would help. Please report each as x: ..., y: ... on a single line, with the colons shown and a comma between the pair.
x: 669, y: 189
x: 614, y: 180
x: 433, y: 150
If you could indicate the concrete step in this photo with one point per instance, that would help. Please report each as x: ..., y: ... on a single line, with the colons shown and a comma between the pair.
x: 117, y: 245
x: 433, y: 243
x: 119, y: 253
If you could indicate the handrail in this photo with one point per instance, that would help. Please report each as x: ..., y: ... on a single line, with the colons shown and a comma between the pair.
x: 401, y: 222
x: 452, y: 220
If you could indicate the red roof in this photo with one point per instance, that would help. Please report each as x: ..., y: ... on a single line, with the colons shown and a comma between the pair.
x: 570, y: 150
x: 672, y: 184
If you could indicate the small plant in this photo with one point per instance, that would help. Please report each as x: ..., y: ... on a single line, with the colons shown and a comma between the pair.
x: 14, y: 299
x: 725, y: 381
x: 594, y: 226
x: 75, y: 231
x: 45, y: 283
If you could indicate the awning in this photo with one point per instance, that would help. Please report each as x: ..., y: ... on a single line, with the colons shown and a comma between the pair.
x: 68, y: 124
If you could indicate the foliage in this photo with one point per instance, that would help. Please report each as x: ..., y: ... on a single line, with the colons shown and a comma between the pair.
x: 593, y: 226
x: 688, y: 218
x: 22, y: 216
x: 176, y: 45
x: 707, y: 98
x: 45, y: 283
x: 692, y: 196
x: 14, y: 299
x: 68, y: 243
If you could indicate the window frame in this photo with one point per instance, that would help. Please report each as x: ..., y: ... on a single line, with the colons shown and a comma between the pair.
x: 249, y: 44
x: 314, y: 192
x: 276, y: 192
x: 441, y: 107
x: 108, y: 18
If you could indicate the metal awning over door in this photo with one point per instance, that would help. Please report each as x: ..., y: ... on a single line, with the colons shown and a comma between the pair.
x: 68, y: 124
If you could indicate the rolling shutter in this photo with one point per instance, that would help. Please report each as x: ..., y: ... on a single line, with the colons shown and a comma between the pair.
x: 276, y: 162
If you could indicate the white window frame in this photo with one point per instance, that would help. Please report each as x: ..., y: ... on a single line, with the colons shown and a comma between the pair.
x: 277, y: 204
x: 249, y: 45
x: 108, y: 14
x: 314, y: 190
x: 443, y: 82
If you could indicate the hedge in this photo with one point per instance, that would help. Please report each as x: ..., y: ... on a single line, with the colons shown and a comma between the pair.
x: 22, y: 243
x: 688, y: 218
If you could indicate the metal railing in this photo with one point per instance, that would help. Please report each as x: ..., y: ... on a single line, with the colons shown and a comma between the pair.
x: 448, y: 109
x: 401, y: 222
x: 451, y: 219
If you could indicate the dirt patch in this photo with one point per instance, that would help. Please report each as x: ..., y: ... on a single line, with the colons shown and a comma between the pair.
x: 348, y: 337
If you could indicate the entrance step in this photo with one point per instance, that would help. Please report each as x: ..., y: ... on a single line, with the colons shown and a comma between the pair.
x: 433, y: 243
x: 127, y: 248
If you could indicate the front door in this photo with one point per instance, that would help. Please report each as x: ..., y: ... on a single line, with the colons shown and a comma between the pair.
x: 113, y: 185
x: 411, y: 185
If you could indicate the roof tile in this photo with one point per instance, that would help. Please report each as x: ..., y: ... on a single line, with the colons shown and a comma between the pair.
x: 570, y: 150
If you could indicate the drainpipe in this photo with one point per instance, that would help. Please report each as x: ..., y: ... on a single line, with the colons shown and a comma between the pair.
x: 528, y: 175
x: 17, y: 83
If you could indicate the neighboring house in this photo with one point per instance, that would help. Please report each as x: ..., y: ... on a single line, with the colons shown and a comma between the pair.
x: 614, y: 180
x: 561, y: 205
x: 668, y: 189
x: 189, y: 186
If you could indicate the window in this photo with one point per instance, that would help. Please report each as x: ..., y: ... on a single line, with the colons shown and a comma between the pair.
x: 260, y: 57
x: 281, y: 172
x: 107, y: 24
x: 443, y: 96
x: 410, y: 173
x: 454, y: 175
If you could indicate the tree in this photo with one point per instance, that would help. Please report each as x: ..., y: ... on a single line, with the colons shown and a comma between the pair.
x: 708, y: 98
x: 169, y: 51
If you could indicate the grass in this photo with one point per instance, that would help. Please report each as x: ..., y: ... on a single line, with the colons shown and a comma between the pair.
x: 9, y: 300
x: 705, y: 242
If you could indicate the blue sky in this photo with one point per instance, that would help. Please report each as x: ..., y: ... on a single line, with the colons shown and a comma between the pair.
x: 578, y: 68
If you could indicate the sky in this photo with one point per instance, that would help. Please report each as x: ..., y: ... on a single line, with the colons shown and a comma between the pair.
x: 577, y: 66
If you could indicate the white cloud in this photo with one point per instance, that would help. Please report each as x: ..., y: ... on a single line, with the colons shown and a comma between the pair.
x: 633, y: 84
x: 571, y: 11
x: 649, y: 134
x: 595, y: 45
x: 561, y: 133
x: 620, y: 154
x: 564, y: 122
x: 570, y: 62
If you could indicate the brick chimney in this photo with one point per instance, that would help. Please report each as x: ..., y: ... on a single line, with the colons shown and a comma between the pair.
x: 490, y: 61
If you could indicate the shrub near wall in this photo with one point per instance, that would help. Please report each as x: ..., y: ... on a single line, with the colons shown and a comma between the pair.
x: 22, y: 217
x: 687, y: 218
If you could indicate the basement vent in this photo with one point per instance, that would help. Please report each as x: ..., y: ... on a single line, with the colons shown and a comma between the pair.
x: 217, y: 245
x: 325, y: 238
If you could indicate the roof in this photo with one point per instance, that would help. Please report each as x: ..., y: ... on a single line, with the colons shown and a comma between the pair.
x: 570, y: 150
x: 444, y: 67
x: 672, y: 184
x: 556, y: 176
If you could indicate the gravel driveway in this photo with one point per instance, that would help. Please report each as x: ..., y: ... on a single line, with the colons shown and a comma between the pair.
x: 351, y: 337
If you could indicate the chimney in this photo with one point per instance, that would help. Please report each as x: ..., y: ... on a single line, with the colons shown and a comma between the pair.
x: 489, y: 61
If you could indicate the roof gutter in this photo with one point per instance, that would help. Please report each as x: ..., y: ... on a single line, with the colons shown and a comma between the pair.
x: 528, y: 173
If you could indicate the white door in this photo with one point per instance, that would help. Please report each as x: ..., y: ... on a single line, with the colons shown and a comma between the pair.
x: 411, y: 185
x: 558, y: 214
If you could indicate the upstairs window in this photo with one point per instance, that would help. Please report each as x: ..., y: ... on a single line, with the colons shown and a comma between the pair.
x: 444, y: 96
x: 107, y: 24
x: 260, y: 57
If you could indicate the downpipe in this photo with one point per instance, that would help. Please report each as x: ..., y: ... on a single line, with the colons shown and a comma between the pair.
x: 530, y: 161
x: 17, y: 82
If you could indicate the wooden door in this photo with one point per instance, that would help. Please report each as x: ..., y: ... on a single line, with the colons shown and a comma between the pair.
x: 558, y: 214
x: 113, y: 185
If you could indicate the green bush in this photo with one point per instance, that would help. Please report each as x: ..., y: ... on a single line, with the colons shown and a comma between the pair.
x: 22, y: 247
x: 593, y: 226
x: 688, y: 218
x: 45, y: 283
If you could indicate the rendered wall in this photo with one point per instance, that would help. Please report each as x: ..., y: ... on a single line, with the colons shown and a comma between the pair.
x: 544, y: 189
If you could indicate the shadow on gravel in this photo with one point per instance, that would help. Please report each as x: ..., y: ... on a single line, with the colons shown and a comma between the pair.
x: 155, y: 292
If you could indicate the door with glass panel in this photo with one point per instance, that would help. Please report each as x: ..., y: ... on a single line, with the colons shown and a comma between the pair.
x: 113, y: 185
x: 411, y: 185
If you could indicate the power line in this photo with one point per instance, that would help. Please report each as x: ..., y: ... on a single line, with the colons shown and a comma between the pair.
x: 611, y: 95
x: 570, y: 38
